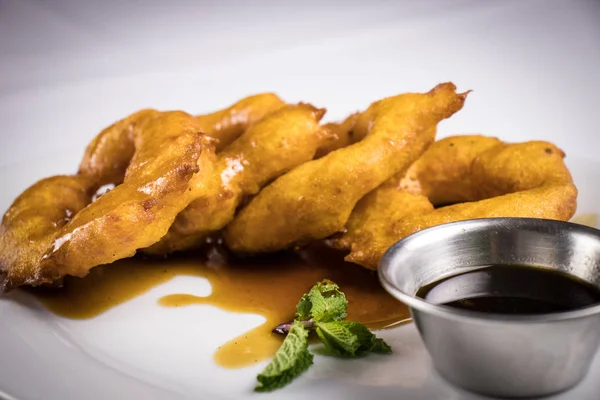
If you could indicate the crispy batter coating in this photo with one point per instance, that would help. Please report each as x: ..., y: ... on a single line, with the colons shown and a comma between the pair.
x: 342, y: 135
x: 271, y: 147
x: 108, y: 155
x: 382, y: 205
x: 514, y: 180
x: 443, y: 172
x: 31, y: 224
x: 228, y: 124
x: 374, y: 212
x: 51, y: 230
x: 314, y: 200
x: 363, y: 184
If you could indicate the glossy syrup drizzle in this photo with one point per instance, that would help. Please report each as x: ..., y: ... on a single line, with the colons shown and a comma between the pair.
x: 269, y: 286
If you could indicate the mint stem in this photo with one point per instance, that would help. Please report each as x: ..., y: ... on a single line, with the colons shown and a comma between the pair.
x: 284, y: 329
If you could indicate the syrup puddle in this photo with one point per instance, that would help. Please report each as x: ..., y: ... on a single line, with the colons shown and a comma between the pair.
x: 269, y: 286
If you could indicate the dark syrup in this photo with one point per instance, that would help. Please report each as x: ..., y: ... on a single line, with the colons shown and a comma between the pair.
x: 503, y: 289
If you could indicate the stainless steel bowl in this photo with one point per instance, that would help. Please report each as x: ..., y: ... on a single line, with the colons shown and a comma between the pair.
x: 500, y: 355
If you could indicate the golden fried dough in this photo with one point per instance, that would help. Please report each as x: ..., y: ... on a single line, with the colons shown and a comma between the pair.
x: 382, y: 205
x: 108, y: 155
x: 228, y: 124
x: 271, y: 147
x: 443, y: 172
x: 515, y: 180
x: 110, y: 152
x: 314, y: 200
x: 374, y: 212
x: 50, y: 230
x: 31, y: 224
x: 342, y: 135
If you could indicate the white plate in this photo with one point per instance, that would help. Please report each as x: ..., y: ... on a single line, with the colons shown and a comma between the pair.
x: 70, y: 68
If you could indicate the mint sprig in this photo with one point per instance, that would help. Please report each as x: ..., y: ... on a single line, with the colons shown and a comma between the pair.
x: 350, y: 339
x: 324, y: 302
x: 323, y: 309
x: 291, y: 360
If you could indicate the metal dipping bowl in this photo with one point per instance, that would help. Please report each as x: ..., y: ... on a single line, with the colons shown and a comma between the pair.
x: 493, y: 354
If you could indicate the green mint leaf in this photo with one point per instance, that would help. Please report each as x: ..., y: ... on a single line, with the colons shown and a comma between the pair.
x: 350, y: 339
x: 381, y: 347
x: 368, y: 341
x: 291, y: 360
x: 338, y: 338
x: 328, y: 302
x: 324, y: 302
x: 303, y: 308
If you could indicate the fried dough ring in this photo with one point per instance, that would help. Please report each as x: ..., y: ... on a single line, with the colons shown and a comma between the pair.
x: 314, y: 200
x: 279, y: 142
x: 443, y: 173
x: 108, y: 155
x: 52, y: 230
x: 497, y: 179
x: 228, y: 124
